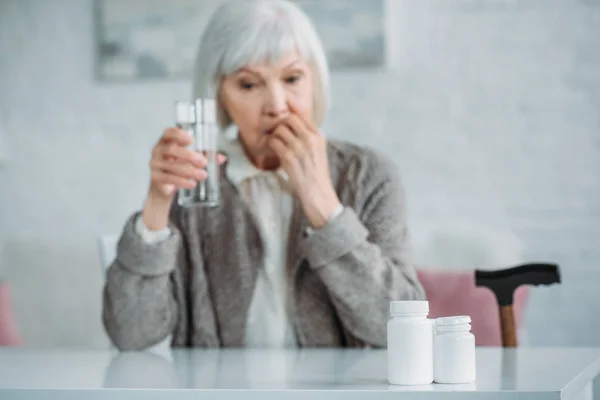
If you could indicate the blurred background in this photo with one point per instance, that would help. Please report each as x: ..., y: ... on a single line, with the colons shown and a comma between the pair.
x: 490, y: 108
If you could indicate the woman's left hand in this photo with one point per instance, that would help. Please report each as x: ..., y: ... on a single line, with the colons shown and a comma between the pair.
x: 302, y: 151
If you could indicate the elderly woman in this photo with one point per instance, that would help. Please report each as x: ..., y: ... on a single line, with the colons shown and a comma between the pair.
x: 309, y: 244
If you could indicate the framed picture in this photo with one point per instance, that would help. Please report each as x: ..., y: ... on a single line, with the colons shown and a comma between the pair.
x: 158, y: 39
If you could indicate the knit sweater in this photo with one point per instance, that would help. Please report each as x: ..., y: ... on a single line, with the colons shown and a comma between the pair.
x: 269, y: 197
x: 197, y: 285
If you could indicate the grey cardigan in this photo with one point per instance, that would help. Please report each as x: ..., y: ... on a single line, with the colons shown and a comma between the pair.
x: 198, y: 283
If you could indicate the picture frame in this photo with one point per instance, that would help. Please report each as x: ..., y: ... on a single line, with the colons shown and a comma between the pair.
x: 158, y: 39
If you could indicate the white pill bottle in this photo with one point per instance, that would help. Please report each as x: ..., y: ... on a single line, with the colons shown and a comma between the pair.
x: 454, y: 350
x: 410, y: 343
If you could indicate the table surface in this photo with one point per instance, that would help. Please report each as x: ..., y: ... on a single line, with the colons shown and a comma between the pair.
x: 540, y: 373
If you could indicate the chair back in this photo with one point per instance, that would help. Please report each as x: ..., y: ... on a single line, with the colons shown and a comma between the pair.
x: 453, y: 292
x: 107, y: 249
x: 9, y: 334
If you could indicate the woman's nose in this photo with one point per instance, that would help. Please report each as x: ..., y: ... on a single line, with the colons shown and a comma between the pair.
x: 276, y: 105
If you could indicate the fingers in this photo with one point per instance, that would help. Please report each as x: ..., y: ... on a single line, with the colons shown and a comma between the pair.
x: 178, y: 136
x: 284, y: 153
x: 288, y: 147
x: 288, y: 138
x: 174, y: 151
x: 308, y: 124
x: 297, y: 126
x: 171, y: 182
x: 173, y: 146
x: 174, y: 166
x: 182, y: 170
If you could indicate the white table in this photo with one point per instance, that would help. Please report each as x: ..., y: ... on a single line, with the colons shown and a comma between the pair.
x: 531, y: 373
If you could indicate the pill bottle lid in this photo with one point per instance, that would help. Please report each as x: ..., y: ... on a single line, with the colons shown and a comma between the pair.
x: 453, y: 320
x: 409, y: 307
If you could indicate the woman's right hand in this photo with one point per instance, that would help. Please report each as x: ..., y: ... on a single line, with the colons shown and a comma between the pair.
x: 173, y: 167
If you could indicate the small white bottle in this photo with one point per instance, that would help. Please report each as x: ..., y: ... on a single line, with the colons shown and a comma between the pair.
x: 454, y: 350
x: 410, y: 343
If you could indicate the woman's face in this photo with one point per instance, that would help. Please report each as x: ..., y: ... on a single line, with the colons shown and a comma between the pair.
x: 257, y: 97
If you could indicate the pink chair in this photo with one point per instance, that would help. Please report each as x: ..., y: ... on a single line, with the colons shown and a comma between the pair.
x: 452, y: 292
x: 9, y: 335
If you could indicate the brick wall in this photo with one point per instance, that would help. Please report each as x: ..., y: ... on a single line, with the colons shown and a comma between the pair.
x: 491, y: 111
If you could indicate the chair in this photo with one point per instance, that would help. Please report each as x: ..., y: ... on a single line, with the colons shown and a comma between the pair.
x: 453, y: 292
x: 107, y: 247
x: 447, y: 258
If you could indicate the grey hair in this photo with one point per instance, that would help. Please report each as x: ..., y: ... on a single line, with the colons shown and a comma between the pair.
x: 240, y: 33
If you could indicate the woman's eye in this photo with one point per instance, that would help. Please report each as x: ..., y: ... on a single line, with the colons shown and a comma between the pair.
x: 292, y: 79
x: 247, y: 85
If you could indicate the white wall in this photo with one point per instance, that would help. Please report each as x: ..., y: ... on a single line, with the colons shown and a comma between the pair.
x: 492, y: 113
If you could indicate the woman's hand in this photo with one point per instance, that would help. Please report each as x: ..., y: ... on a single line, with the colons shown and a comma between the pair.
x: 302, y: 151
x: 173, y: 167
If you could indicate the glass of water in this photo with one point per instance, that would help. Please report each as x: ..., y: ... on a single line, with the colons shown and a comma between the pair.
x: 198, y: 119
